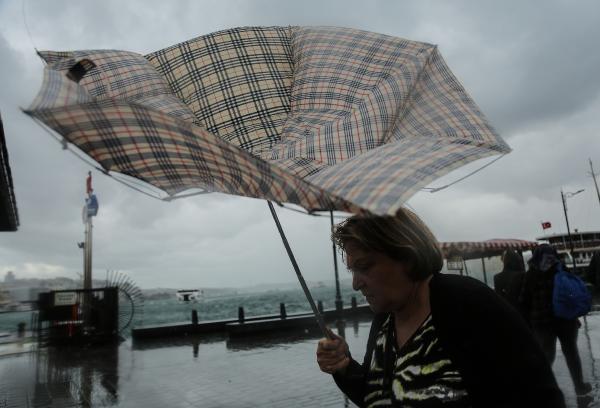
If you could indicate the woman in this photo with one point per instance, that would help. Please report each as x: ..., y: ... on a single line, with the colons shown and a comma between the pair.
x: 436, y: 339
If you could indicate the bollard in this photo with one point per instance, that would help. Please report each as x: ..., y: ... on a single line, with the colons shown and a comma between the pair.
x: 282, y: 311
x: 353, y: 303
x: 241, y: 314
x: 320, y: 306
x: 339, y: 305
x: 194, y: 316
x: 21, y: 329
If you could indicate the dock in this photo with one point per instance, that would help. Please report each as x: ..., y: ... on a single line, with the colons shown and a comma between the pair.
x: 244, y: 326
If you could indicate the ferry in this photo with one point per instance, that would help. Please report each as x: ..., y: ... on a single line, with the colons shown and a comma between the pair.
x: 584, y: 244
x: 189, y: 295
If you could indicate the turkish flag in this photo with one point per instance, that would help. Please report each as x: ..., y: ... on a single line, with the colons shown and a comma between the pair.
x: 88, y: 183
x: 546, y: 225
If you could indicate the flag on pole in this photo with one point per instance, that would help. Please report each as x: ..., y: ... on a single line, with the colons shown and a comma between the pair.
x: 546, y: 224
x: 88, y: 184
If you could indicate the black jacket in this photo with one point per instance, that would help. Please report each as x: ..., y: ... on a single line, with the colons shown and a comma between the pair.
x: 500, y: 361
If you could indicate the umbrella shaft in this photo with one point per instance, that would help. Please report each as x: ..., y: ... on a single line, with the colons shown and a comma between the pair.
x: 314, y: 308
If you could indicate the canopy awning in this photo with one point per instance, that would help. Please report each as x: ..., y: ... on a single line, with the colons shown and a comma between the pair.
x: 481, y: 249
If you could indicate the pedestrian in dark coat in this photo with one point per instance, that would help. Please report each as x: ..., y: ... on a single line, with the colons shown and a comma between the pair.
x: 508, y: 283
x: 536, y: 302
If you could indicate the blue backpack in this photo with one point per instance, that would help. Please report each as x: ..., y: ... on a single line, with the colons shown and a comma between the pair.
x: 570, y: 298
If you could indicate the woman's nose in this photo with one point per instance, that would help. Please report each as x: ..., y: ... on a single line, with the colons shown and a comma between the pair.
x: 356, y: 281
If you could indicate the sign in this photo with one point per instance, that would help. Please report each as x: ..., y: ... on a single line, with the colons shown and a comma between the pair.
x: 65, y: 298
x: 91, y: 204
x: 455, y: 263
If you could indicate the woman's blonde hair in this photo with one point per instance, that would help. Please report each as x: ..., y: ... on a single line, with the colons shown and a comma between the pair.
x: 403, y: 237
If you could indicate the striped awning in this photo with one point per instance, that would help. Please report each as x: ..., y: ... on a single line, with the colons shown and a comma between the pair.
x: 481, y: 249
x: 326, y: 118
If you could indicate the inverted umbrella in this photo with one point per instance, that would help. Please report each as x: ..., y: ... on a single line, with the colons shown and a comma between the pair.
x: 325, y: 118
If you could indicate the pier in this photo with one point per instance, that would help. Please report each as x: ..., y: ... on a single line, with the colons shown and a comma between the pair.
x: 251, y: 325
x: 212, y: 370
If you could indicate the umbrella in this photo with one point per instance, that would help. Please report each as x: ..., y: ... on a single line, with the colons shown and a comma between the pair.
x: 325, y: 118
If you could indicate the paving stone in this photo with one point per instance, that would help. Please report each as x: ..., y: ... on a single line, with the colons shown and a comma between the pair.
x: 262, y: 372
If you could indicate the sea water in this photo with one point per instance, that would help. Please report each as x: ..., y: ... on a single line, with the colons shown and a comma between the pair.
x: 255, y: 302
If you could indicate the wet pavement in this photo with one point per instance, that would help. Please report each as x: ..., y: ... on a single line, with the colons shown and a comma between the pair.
x: 213, y: 372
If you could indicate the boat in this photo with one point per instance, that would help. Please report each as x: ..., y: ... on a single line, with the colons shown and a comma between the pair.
x: 7, y: 304
x: 584, y: 245
x: 189, y: 295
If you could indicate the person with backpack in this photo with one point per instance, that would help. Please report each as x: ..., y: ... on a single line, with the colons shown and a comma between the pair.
x: 552, y: 300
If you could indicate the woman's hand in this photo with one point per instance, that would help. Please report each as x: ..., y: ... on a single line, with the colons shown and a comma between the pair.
x: 332, y: 354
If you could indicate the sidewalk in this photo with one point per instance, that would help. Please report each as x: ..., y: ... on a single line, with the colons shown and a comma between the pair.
x: 212, y: 372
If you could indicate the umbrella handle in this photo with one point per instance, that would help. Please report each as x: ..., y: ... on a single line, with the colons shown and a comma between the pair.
x: 309, y: 297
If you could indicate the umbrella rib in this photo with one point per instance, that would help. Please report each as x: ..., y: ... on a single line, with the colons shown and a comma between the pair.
x: 436, y: 189
x: 86, y: 159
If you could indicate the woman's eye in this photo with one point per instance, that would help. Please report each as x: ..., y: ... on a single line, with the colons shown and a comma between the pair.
x: 362, y: 268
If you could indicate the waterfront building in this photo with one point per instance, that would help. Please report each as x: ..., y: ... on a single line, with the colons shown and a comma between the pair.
x: 584, y: 244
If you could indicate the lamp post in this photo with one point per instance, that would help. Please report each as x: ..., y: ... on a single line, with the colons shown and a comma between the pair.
x: 564, y: 197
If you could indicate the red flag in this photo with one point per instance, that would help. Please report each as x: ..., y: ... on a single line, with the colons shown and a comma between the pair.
x: 546, y: 225
x: 88, y: 183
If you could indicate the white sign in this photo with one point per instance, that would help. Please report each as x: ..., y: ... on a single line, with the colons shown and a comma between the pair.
x: 455, y: 263
x: 65, y: 298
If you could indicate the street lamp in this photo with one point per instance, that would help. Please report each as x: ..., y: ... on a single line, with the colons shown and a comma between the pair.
x: 564, y: 197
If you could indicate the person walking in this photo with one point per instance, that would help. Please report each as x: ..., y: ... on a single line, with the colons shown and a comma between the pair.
x: 508, y: 282
x: 436, y: 340
x: 536, y: 301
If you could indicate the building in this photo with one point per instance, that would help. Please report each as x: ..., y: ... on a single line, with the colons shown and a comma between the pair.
x: 584, y: 244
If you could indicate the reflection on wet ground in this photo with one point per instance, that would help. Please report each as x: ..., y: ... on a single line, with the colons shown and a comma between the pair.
x: 213, y: 371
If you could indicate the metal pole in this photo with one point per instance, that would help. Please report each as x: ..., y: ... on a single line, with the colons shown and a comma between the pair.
x: 309, y: 297
x: 594, y: 177
x: 564, y: 203
x: 87, y: 273
x: 484, y: 273
x: 339, y: 305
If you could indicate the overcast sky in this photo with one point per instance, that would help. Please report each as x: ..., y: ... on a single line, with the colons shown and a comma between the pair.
x: 532, y: 67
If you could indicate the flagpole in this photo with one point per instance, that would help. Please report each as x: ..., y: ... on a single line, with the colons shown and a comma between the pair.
x: 87, y: 256
x: 87, y: 272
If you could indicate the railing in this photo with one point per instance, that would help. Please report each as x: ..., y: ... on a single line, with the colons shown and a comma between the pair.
x: 580, y: 246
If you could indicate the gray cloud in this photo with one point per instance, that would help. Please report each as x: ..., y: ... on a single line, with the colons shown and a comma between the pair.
x: 532, y: 68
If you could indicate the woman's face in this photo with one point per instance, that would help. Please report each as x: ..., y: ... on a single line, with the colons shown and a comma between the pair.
x: 384, y: 281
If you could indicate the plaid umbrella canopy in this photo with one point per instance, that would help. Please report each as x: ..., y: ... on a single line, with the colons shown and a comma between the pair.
x: 325, y: 118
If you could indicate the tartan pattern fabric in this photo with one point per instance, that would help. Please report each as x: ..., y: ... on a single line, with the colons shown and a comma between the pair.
x: 119, y: 74
x: 237, y: 82
x: 366, y: 122
x: 175, y: 155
